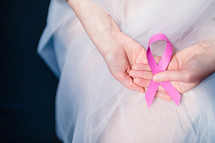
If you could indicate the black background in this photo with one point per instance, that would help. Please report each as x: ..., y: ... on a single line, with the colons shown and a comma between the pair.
x: 27, y: 86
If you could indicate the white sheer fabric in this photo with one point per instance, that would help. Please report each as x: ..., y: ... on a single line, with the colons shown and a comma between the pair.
x: 92, y: 107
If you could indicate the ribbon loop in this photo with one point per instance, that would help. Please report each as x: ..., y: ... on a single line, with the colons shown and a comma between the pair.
x: 161, y: 66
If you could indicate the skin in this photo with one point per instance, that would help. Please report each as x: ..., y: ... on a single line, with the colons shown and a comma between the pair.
x: 186, y: 69
x: 123, y: 55
x: 119, y: 51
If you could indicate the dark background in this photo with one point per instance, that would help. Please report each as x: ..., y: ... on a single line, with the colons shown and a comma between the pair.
x: 27, y: 86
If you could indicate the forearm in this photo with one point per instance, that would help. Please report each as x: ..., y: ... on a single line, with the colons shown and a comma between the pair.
x: 100, y: 27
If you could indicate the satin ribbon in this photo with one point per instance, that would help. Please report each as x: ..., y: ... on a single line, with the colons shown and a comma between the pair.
x: 161, y: 66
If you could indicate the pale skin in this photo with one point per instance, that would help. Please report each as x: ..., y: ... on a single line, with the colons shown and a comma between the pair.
x: 186, y: 70
x: 121, y: 54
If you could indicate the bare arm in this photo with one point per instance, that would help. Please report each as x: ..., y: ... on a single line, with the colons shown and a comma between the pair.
x: 100, y: 27
x: 119, y: 51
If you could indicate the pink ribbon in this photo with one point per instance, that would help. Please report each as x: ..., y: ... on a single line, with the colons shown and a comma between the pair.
x: 161, y: 66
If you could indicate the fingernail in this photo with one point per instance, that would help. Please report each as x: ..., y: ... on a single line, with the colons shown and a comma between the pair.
x: 156, y: 78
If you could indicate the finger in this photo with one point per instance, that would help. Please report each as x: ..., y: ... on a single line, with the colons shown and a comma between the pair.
x: 144, y: 60
x: 160, y: 88
x: 179, y: 75
x: 145, y: 83
x: 128, y: 83
x: 141, y: 66
x: 141, y: 82
x: 161, y: 93
x: 141, y: 74
x: 163, y: 96
x: 157, y: 59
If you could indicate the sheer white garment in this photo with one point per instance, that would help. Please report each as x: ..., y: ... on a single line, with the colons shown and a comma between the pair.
x: 92, y: 107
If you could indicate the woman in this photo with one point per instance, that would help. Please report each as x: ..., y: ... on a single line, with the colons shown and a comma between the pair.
x: 95, y: 42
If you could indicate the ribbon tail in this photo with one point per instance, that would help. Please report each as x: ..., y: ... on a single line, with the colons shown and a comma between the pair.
x: 173, y: 93
x: 150, y: 93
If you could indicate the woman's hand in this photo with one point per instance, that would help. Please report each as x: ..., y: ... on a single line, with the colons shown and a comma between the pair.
x: 187, y: 69
x: 122, y: 56
x: 119, y: 51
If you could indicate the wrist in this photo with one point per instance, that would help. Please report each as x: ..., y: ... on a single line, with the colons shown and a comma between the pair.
x: 107, y: 40
x: 100, y: 26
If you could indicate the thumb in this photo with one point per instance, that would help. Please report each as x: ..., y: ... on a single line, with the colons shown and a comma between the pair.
x: 178, y: 75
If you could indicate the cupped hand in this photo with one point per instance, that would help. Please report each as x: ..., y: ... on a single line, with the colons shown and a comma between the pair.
x: 124, y: 53
x: 119, y: 51
x: 186, y: 69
